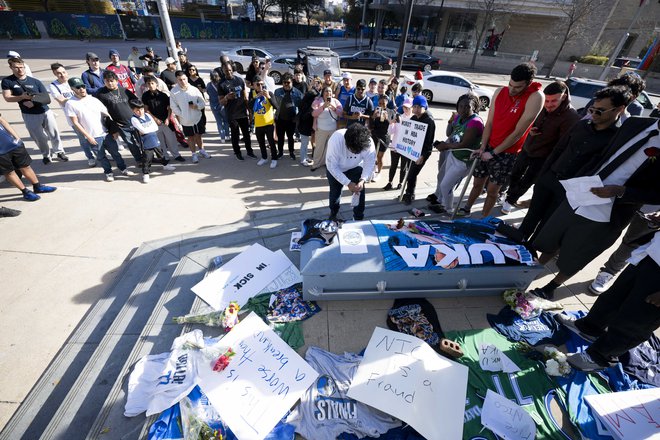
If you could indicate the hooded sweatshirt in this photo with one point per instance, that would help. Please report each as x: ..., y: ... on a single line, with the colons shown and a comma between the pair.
x: 179, y: 100
x: 551, y: 126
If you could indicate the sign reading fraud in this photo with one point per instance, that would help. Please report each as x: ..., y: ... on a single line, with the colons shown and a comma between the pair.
x: 433, y: 245
x: 410, y: 139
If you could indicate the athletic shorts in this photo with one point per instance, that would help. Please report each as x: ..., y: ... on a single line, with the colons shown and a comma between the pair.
x: 498, y: 169
x: 15, y: 159
x: 199, y: 128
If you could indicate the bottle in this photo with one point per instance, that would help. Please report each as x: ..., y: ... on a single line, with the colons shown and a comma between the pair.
x: 355, y: 200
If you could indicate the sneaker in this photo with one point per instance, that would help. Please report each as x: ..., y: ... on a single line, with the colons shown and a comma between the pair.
x: 180, y: 158
x: 30, y: 196
x: 388, y: 187
x: 506, y: 207
x: 145, y: 178
x: 432, y: 198
x: 437, y: 208
x: 127, y: 172
x: 262, y: 162
x: 584, y: 362
x: 109, y: 177
x: 336, y: 218
x: 223, y: 139
x: 273, y: 164
x: 569, y: 322
x: 602, y: 282
x: 168, y: 168
x: 40, y: 189
x: 463, y: 212
x: 238, y: 156
x: 399, y: 186
x: 8, y: 212
x: 408, y: 199
x: 251, y: 155
x: 292, y: 156
x: 62, y: 157
x: 91, y: 163
x: 195, y: 158
x: 47, y: 160
x: 305, y: 163
x: 204, y: 154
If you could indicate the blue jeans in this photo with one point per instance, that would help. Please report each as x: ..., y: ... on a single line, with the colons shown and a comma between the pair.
x: 109, y: 144
x: 91, y: 151
x: 335, y: 193
x: 220, y: 114
x: 126, y: 133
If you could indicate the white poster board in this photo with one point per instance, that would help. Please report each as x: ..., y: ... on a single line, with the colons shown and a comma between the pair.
x: 492, y: 358
x: 242, y: 277
x: 404, y: 377
x: 506, y: 418
x: 633, y: 415
x: 410, y: 139
x: 262, y: 382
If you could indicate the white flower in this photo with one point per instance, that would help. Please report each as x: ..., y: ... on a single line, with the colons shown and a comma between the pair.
x: 552, y: 368
x: 564, y: 368
x: 550, y: 351
x: 561, y: 357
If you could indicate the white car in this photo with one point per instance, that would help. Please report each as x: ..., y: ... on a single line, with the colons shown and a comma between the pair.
x: 447, y: 87
x: 242, y: 56
x: 583, y: 89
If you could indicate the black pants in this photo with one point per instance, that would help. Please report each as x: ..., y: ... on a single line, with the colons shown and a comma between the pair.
x: 244, y: 126
x: 287, y: 128
x: 621, y: 317
x: 415, y: 169
x: 263, y: 133
x: 548, y: 195
x: 525, y: 171
x: 394, y: 162
x: 335, y: 193
x: 152, y: 155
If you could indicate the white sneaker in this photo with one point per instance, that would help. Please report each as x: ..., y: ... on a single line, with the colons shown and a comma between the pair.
x: 602, y: 282
x: 273, y: 164
x: 91, y: 163
x: 127, y: 172
x: 305, y: 163
x: 374, y: 177
x: 109, y: 177
x: 195, y: 158
x: 223, y: 139
x: 204, y: 154
x: 145, y: 178
x: 506, y: 207
x: 169, y: 168
x: 262, y: 162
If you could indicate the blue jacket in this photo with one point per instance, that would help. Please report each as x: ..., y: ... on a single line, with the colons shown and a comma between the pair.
x: 92, y: 81
x: 296, y: 98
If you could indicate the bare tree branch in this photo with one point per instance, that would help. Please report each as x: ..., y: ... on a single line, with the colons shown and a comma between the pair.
x: 491, y: 9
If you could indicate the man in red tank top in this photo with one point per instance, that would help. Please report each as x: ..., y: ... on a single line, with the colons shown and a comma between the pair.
x: 511, y: 115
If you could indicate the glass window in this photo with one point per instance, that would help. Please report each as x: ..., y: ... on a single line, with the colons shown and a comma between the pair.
x: 460, y: 82
x: 442, y: 79
x: 460, y: 31
x: 644, y: 100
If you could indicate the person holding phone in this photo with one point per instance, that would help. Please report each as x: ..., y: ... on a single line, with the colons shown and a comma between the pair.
x: 188, y: 105
x: 326, y: 110
x: 233, y: 95
x: 261, y: 103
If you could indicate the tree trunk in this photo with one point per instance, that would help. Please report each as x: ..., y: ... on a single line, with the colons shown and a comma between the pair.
x: 561, y: 47
x: 479, y: 38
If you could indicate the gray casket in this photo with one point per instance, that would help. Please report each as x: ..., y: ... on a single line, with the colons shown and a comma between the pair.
x: 421, y: 259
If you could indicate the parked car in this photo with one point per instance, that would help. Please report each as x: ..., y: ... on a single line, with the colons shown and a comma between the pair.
x: 583, y: 89
x: 419, y: 61
x: 447, y: 87
x: 280, y: 65
x: 242, y: 56
x: 316, y: 60
x: 366, y: 59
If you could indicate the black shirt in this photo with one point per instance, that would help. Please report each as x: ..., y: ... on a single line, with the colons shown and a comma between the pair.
x: 168, y: 78
x: 116, y: 101
x: 29, y: 84
x: 302, y: 86
x: 236, y: 108
x: 199, y: 83
x: 157, y: 102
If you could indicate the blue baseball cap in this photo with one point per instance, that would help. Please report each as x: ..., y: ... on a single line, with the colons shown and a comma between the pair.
x: 420, y: 101
x: 113, y: 52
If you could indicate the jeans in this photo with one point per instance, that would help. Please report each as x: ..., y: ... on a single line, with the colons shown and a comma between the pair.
x: 453, y: 172
x: 304, y: 143
x: 220, y: 114
x: 263, y: 133
x: 126, y: 133
x: 335, y: 193
x: 548, y: 195
x: 109, y: 144
x: 91, y: 151
x: 283, y: 128
x: 237, y: 127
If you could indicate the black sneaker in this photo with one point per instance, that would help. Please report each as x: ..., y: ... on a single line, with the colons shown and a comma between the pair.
x: 180, y: 158
x: 251, y: 156
x: 432, y: 198
x: 292, y: 156
x: 388, y: 187
x: 239, y: 157
x: 62, y: 157
x: 398, y: 187
x: 408, y: 199
x: 47, y: 160
x: 437, y: 208
x: 8, y: 212
x: 279, y: 156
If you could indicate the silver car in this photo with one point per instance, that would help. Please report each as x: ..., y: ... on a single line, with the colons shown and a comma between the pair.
x: 281, y: 65
x: 242, y: 56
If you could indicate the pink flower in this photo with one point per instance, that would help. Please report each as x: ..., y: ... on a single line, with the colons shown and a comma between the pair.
x: 223, y: 360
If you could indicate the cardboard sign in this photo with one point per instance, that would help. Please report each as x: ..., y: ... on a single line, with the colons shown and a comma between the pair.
x: 403, y: 376
x: 242, y: 277
x: 491, y: 358
x: 263, y: 380
x: 410, y: 139
x: 506, y: 419
x: 629, y: 414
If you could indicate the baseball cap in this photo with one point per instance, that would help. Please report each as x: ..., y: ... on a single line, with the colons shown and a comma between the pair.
x: 327, y: 72
x: 373, y: 81
x: 408, y: 102
x: 181, y: 53
x: 420, y: 101
x: 150, y: 49
x: 91, y: 56
x: 13, y: 54
x: 170, y: 60
x: 75, y: 82
x: 346, y: 75
x: 113, y: 52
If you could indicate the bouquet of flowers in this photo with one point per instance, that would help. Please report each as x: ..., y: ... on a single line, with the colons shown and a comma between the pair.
x: 519, y: 303
x: 556, y: 363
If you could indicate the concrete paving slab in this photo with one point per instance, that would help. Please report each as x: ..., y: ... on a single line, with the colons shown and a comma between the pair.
x: 350, y: 330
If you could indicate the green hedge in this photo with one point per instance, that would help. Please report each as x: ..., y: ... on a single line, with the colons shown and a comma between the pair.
x: 594, y: 59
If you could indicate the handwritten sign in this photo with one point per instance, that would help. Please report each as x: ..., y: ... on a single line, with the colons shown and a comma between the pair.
x: 263, y: 380
x: 506, y: 419
x: 242, y: 278
x: 410, y: 139
x: 491, y: 358
x: 403, y: 376
x: 629, y: 414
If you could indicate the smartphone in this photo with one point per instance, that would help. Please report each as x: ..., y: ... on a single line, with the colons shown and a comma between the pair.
x: 190, y: 103
x: 328, y: 99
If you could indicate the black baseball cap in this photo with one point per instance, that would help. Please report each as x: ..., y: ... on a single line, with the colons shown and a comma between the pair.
x: 327, y: 72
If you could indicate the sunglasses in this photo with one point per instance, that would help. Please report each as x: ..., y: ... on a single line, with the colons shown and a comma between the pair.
x: 359, y: 88
x: 79, y: 87
x: 599, y: 112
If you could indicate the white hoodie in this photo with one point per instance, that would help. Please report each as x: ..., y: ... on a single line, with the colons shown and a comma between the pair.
x: 179, y: 100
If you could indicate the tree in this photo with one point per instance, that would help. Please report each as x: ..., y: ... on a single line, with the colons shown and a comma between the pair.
x: 575, y: 23
x: 491, y: 10
x: 261, y: 7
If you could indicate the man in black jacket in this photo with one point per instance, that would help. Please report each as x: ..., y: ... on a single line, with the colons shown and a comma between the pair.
x: 420, y: 114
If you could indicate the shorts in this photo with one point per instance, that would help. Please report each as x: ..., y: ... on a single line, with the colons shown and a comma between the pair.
x: 15, y: 159
x: 382, y: 144
x: 199, y: 128
x: 498, y: 169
